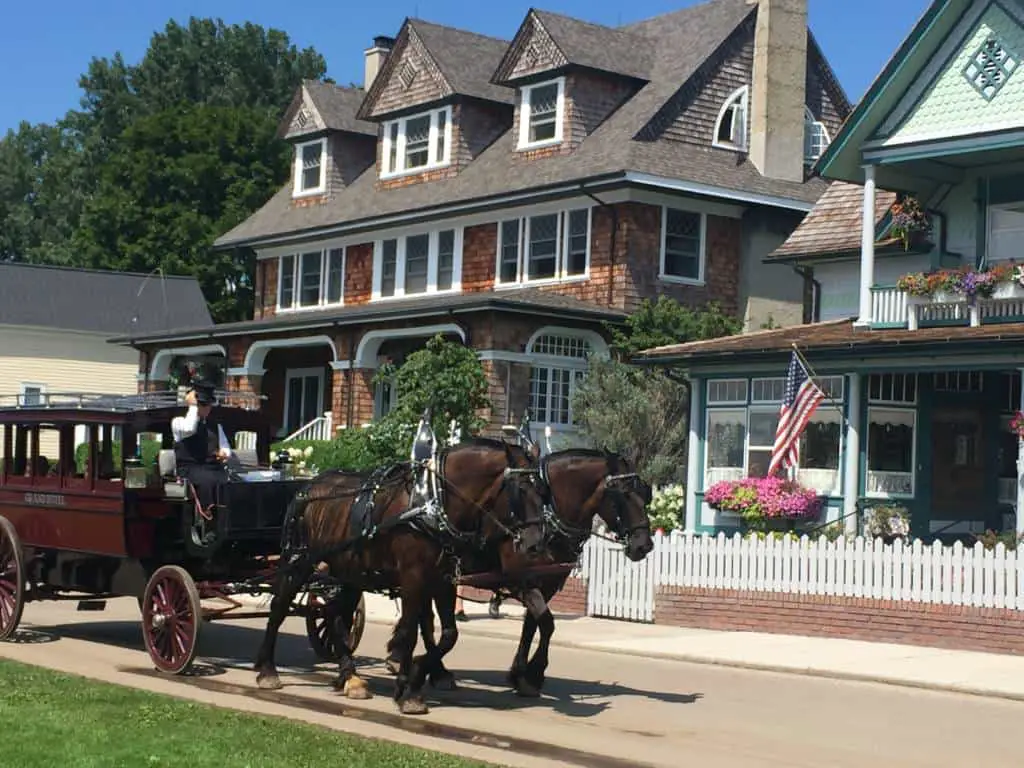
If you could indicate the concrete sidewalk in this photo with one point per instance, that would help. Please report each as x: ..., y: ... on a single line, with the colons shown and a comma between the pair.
x: 980, y: 674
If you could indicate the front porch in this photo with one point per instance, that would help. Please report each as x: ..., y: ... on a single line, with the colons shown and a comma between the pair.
x: 936, y: 442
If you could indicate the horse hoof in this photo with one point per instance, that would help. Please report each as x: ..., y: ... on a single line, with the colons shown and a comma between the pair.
x: 414, y: 706
x: 356, y: 688
x: 444, y: 682
x: 392, y: 666
x: 526, y: 691
x: 268, y: 682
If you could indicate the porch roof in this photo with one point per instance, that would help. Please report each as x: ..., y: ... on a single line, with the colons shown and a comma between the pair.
x: 835, y: 337
x: 521, y: 301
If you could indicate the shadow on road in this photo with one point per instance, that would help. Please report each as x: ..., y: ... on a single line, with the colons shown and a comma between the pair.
x: 223, y: 646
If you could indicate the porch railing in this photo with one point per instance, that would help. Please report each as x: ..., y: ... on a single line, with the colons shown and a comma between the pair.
x: 890, y: 308
x: 320, y: 428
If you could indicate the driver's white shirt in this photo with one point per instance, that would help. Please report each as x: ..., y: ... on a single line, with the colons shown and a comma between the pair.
x: 185, y: 426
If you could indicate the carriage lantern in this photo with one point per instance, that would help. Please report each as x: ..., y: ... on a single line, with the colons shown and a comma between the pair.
x: 135, y: 474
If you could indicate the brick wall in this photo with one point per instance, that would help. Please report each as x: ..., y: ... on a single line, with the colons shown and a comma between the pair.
x: 942, y: 626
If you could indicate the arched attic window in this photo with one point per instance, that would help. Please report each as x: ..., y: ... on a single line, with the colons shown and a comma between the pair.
x: 731, y: 125
x: 816, y: 138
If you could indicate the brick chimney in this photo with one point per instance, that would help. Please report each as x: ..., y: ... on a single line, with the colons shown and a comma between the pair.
x: 375, y: 56
x: 777, y: 94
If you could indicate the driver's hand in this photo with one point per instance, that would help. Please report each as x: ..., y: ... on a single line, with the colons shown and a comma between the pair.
x: 223, y: 455
x: 190, y: 397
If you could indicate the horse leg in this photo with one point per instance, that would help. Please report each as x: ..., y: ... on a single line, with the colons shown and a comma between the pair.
x: 426, y: 632
x: 290, y: 580
x: 440, y: 677
x: 517, y: 674
x: 348, y: 680
x: 409, y: 680
x: 546, y: 624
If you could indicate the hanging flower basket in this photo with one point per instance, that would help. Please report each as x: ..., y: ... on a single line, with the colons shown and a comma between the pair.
x: 765, y: 501
x: 910, y: 223
x: 1017, y: 425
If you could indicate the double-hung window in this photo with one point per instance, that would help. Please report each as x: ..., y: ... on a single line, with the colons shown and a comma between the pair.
x: 417, y: 143
x: 742, y: 416
x: 541, y: 114
x: 892, y: 427
x: 427, y: 262
x: 313, y: 278
x: 310, y: 168
x: 559, y: 365
x: 683, y: 235
x: 550, y: 246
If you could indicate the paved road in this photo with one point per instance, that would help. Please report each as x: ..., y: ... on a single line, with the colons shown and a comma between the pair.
x: 600, y: 711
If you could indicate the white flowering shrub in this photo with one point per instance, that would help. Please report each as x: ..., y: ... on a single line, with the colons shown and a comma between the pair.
x: 300, y: 459
x: 666, y: 507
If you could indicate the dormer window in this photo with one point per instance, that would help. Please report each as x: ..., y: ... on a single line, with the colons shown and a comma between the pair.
x: 816, y: 138
x: 417, y: 143
x: 541, y: 114
x: 311, y: 168
x: 731, y: 126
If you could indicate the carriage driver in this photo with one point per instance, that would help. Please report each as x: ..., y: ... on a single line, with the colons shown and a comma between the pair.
x: 201, y: 449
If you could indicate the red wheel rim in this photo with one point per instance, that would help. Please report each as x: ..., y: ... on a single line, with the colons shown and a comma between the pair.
x: 170, y: 623
x: 11, y: 584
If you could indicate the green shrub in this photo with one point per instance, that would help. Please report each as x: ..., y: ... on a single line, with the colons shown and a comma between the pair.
x: 150, y: 450
x: 350, y: 450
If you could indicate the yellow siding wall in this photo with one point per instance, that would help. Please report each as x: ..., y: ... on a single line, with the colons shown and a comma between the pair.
x: 64, y: 361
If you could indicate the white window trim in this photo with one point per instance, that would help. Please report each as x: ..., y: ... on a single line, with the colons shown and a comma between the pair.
x: 302, y: 373
x: 324, y: 274
x: 561, y: 275
x: 741, y: 95
x: 809, y: 122
x: 432, y: 264
x: 26, y: 385
x: 319, y: 189
x: 902, y: 407
x: 703, y: 247
x: 524, y: 115
x: 433, y: 162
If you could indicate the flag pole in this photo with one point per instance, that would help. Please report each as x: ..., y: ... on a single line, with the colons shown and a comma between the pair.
x: 813, y: 374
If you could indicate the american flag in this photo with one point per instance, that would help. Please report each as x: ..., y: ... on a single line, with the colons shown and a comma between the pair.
x: 801, y: 398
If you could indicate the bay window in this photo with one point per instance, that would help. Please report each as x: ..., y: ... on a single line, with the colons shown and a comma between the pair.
x: 741, y: 418
x: 427, y: 262
x: 892, y: 429
x: 417, y: 143
x: 559, y: 365
x: 313, y: 278
x: 541, y: 114
x: 310, y: 168
x: 551, y: 246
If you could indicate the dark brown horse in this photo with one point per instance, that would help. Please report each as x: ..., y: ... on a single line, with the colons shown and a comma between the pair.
x: 382, y: 547
x: 581, y: 485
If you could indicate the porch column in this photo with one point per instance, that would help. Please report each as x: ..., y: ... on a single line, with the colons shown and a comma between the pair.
x: 867, y: 246
x: 693, y: 457
x: 851, y: 467
x: 1019, y: 510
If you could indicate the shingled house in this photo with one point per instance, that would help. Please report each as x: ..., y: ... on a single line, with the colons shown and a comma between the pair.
x: 517, y: 195
x: 918, y: 333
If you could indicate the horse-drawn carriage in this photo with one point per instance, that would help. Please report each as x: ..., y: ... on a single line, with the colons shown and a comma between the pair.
x: 91, y: 508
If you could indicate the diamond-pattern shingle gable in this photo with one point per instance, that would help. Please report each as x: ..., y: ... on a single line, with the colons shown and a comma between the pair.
x: 319, y: 107
x: 409, y: 78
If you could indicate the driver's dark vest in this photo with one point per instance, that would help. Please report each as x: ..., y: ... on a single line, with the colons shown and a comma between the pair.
x: 200, y: 447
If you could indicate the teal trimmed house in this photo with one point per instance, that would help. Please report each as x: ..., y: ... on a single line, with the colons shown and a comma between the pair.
x: 923, y: 376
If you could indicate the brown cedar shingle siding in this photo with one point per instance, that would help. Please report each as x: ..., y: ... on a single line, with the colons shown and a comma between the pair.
x: 834, y: 224
x: 427, y: 86
x: 679, y: 43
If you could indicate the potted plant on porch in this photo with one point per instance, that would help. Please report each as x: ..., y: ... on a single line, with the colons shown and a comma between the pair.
x: 765, y: 503
x: 888, y: 522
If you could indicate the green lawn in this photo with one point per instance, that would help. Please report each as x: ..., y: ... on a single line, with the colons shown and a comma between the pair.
x: 52, y: 719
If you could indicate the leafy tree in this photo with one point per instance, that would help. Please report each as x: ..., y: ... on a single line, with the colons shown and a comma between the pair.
x: 666, y: 321
x: 642, y: 413
x: 447, y: 376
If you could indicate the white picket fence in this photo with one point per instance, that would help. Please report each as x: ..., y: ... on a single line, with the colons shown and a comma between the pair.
x: 866, y: 568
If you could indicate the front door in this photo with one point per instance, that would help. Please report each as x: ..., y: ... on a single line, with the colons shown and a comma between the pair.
x: 958, y: 465
x: 304, y: 397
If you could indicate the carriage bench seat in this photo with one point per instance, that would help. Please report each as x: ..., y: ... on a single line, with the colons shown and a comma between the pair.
x: 174, y: 487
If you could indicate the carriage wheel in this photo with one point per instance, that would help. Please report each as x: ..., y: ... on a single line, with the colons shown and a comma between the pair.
x: 171, y: 614
x: 320, y: 629
x: 12, y: 579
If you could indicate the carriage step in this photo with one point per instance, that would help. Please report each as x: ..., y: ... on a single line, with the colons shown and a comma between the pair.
x: 92, y: 605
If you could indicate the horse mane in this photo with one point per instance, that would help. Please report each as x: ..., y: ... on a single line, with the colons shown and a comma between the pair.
x: 579, y: 453
x: 479, y: 442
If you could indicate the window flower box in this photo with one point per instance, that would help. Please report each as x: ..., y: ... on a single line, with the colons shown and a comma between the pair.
x: 765, y: 503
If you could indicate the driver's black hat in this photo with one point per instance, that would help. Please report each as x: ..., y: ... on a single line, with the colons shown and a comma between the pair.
x: 205, y: 392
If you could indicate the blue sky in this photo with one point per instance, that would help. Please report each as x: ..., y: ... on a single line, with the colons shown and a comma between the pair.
x: 45, y: 46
